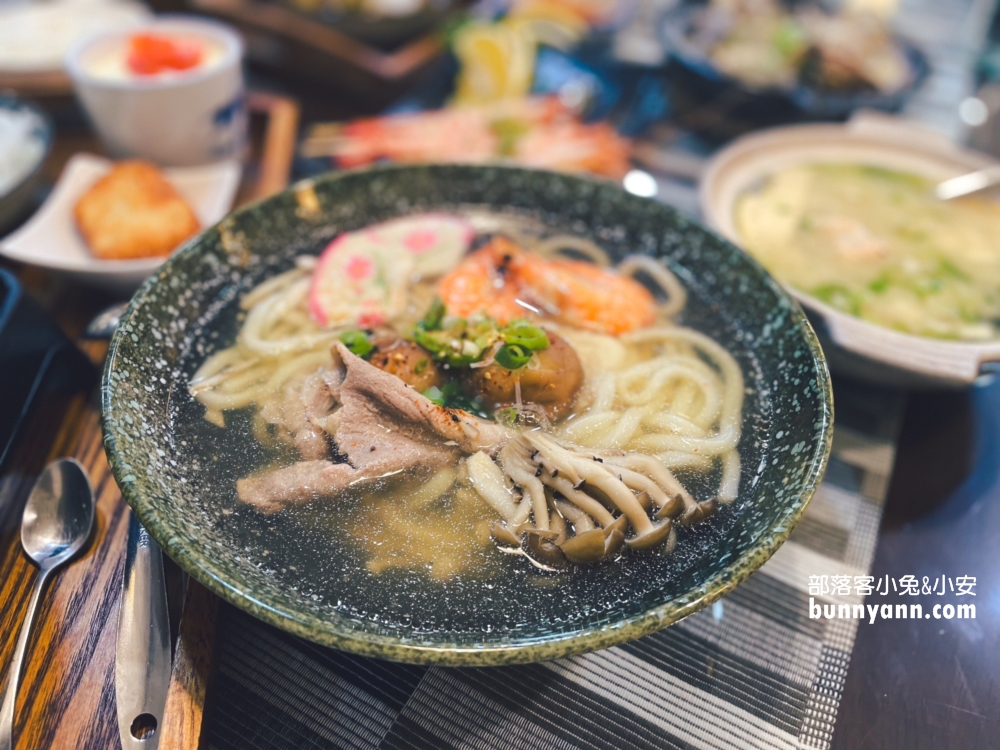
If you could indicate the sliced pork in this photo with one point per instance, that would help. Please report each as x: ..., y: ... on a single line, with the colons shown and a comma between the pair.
x: 383, y: 427
x: 305, y: 415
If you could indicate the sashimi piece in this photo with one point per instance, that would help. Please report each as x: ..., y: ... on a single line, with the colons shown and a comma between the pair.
x: 533, y: 131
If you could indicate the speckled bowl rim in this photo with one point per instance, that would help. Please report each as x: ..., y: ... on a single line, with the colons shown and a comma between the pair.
x: 526, y: 650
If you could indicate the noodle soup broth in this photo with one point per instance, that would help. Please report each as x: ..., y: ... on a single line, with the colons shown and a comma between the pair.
x: 387, y: 546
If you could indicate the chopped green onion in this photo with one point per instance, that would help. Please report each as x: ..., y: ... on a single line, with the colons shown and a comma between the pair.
x: 508, y: 416
x: 450, y: 395
x: 448, y: 348
x: 457, y: 341
x: 522, y: 333
x: 358, y: 343
x: 434, y: 395
x: 462, y: 341
x: 512, y: 356
x: 432, y: 320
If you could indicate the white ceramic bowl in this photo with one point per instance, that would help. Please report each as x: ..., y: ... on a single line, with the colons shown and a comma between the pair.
x: 50, y: 239
x: 853, y: 346
x: 174, y: 119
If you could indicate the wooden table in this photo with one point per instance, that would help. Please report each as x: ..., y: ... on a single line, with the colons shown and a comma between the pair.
x: 910, y: 685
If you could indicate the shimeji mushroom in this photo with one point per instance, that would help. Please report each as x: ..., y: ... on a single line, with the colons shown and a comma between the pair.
x: 590, y: 543
x: 648, y: 474
x: 565, y: 487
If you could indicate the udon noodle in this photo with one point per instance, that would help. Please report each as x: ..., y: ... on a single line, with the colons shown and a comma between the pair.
x: 588, y: 454
x: 673, y: 404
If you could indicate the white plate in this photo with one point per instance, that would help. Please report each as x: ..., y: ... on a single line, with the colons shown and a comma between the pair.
x: 51, y: 239
x: 854, y: 346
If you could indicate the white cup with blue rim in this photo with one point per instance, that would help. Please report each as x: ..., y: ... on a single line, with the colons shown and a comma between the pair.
x: 173, y: 118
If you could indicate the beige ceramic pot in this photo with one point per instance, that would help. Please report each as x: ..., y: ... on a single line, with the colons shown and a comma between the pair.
x: 853, y: 346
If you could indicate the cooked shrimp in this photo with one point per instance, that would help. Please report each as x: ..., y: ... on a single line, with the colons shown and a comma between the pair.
x: 535, y: 131
x: 505, y: 282
x: 449, y: 135
x: 486, y: 281
x: 571, y: 146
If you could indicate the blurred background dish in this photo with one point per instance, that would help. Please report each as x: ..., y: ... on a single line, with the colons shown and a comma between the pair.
x: 25, y: 141
x: 383, y: 23
x: 746, y: 64
x: 134, y: 212
x: 170, y: 91
x: 313, y: 48
x: 51, y: 239
x: 531, y: 87
x: 853, y: 345
x: 35, y: 37
x: 766, y: 44
x: 539, y: 132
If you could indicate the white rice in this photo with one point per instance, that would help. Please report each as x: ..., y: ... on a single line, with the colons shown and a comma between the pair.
x: 21, y: 147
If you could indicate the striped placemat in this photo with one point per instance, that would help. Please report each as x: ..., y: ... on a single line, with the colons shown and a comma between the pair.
x: 753, y: 670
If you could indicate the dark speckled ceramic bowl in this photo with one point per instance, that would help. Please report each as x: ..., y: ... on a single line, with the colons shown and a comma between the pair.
x: 178, y: 472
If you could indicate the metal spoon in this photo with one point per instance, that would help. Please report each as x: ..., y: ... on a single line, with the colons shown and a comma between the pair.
x: 104, y: 324
x: 57, y: 521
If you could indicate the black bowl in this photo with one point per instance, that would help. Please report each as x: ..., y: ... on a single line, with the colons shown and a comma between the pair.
x: 178, y: 472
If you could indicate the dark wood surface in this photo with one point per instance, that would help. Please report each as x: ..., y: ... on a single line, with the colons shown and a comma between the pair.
x: 192, y: 671
x: 935, y: 684
x: 69, y: 667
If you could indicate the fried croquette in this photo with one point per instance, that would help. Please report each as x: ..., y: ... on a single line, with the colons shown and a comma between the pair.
x: 133, y: 212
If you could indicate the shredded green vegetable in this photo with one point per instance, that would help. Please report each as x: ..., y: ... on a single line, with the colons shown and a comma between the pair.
x: 358, y: 342
x: 451, y: 396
